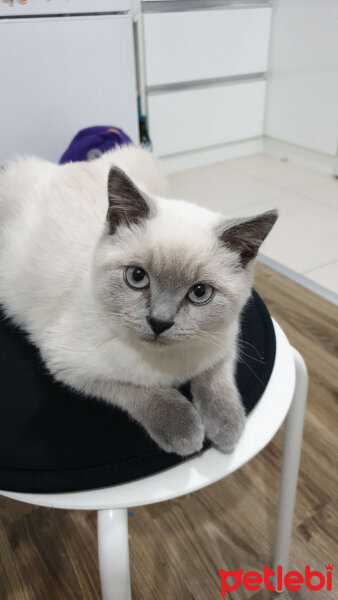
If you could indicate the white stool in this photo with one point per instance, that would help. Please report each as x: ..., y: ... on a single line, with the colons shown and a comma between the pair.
x: 284, y: 397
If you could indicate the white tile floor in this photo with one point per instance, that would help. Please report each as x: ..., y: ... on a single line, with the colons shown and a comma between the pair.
x: 305, y: 238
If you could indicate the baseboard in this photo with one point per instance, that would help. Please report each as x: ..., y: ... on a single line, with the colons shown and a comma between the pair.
x: 205, y: 156
x: 311, y: 159
x: 309, y: 284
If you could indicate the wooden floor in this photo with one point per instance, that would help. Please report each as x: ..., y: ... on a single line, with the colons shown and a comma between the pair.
x: 177, y: 547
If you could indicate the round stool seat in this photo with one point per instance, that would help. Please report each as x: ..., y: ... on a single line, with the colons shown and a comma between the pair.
x: 55, y: 440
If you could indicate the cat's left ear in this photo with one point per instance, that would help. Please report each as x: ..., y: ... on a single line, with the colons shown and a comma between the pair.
x: 127, y: 204
x: 245, y: 236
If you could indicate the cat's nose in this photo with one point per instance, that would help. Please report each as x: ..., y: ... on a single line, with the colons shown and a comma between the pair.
x: 158, y: 325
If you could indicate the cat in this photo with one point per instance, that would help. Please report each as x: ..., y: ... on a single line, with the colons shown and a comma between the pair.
x: 127, y: 294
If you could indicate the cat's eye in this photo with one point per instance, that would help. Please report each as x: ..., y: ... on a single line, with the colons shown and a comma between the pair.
x: 136, y: 277
x: 201, y: 293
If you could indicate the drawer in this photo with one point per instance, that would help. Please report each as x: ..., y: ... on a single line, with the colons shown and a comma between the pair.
x: 185, y: 120
x: 207, y: 44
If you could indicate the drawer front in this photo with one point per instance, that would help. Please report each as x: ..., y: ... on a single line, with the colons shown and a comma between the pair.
x: 185, y: 120
x: 198, y: 45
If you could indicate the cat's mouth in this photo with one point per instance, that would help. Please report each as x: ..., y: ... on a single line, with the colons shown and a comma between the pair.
x: 157, y: 341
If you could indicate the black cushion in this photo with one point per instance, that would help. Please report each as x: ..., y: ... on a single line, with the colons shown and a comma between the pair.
x: 55, y: 440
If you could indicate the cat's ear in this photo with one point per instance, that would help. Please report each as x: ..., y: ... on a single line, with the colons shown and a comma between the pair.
x: 127, y: 204
x: 245, y: 236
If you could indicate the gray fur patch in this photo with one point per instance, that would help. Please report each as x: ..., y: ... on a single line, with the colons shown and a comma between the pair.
x: 219, y: 404
x: 246, y: 235
x: 127, y: 204
x: 172, y: 421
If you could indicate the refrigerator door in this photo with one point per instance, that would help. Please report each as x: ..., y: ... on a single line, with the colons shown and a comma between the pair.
x: 58, y: 7
x: 61, y: 74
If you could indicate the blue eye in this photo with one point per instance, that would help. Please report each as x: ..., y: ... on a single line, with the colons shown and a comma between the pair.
x: 201, y: 293
x: 136, y: 277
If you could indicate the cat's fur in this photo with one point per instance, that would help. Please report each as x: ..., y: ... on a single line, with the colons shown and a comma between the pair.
x: 63, y: 254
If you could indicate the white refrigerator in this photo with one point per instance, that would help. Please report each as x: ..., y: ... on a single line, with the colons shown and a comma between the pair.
x: 63, y: 67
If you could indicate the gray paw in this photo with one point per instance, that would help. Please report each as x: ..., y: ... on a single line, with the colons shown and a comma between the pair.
x: 230, y: 430
x: 223, y: 419
x: 176, y: 425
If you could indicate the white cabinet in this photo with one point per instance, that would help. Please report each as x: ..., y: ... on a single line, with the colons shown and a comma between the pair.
x: 205, y: 73
x: 61, y: 74
x: 186, y: 120
x: 205, y: 44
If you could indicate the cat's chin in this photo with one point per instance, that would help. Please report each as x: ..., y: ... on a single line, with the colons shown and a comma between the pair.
x: 157, y: 342
x: 154, y: 342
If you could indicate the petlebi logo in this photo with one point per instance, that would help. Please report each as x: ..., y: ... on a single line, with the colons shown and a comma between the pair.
x: 290, y: 580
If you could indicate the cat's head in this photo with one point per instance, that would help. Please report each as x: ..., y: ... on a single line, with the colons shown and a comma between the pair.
x: 167, y: 271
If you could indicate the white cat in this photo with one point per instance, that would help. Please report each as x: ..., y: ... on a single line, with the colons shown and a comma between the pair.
x: 128, y: 295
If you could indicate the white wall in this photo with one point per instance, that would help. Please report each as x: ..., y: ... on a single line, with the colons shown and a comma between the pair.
x: 302, y: 91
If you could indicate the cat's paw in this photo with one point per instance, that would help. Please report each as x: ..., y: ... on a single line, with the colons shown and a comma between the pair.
x: 229, y: 432
x: 176, y: 425
x: 223, y: 419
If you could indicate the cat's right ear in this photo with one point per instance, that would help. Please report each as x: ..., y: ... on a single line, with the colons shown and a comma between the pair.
x: 127, y: 204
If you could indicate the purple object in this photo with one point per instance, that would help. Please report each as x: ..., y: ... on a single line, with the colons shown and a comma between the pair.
x: 91, y: 142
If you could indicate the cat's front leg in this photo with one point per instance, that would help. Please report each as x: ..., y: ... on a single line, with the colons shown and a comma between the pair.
x: 219, y: 404
x: 170, y: 419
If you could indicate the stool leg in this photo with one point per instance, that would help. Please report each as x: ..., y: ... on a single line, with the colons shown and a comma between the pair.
x: 293, y: 434
x: 112, y: 527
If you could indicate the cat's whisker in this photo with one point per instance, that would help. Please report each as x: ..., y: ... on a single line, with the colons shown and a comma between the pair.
x: 251, y: 357
x: 109, y: 320
x: 260, y: 360
x: 102, y: 317
x: 252, y: 371
x: 241, y: 341
x: 207, y: 340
